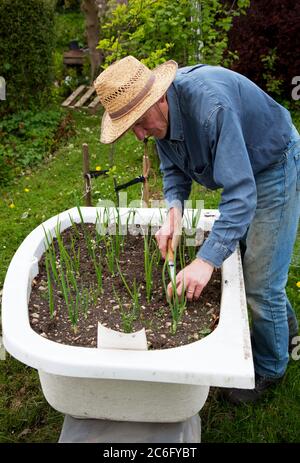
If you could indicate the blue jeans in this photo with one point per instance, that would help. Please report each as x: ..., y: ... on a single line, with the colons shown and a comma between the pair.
x: 268, y: 248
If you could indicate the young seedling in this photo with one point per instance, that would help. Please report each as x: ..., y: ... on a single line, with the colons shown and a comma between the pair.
x: 133, y: 293
x: 127, y: 317
x: 68, y: 282
x: 74, y: 227
x: 177, y: 304
x: 51, y: 254
x: 75, y: 256
x: 181, y: 248
x: 86, y: 295
x: 49, y: 283
x: 110, y: 254
x: 148, y: 265
x: 118, y: 237
x: 190, y: 239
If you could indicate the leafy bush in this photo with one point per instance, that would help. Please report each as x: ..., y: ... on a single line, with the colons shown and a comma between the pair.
x: 27, y: 137
x: 153, y: 31
x: 26, y: 45
x: 68, y: 5
x: 69, y: 26
x: 267, y: 43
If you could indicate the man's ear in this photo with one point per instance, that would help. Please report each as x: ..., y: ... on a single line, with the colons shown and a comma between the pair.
x: 163, y: 98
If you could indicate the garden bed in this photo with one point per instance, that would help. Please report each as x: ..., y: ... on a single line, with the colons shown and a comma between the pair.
x: 113, y: 305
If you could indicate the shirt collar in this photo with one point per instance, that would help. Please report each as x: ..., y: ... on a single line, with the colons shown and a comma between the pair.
x: 176, y: 127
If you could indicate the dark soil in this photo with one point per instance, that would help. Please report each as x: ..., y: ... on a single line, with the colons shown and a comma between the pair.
x: 198, y: 320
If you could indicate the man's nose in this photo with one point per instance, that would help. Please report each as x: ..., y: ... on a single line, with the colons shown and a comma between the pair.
x: 139, y: 132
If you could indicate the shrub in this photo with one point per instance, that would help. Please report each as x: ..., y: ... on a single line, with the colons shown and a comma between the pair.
x: 154, y: 31
x: 26, y: 45
x: 267, y: 42
x: 27, y: 137
x: 69, y: 26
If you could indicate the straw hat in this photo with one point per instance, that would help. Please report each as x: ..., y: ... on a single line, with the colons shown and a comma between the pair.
x: 127, y: 89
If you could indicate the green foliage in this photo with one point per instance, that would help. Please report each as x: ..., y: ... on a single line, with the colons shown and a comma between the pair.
x: 154, y: 31
x: 69, y: 26
x: 69, y: 5
x: 26, y: 138
x: 27, y: 40
x: 215, y: 21
x: 273, y: 84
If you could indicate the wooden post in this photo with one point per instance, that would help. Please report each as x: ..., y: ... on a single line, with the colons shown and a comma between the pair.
x: 86, y: 175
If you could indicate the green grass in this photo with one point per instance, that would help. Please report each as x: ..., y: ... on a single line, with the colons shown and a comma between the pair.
x: 58, y: 184
x: 55, y: 186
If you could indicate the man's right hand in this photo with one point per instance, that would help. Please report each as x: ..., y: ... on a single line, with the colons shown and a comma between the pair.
x: 170, y: 229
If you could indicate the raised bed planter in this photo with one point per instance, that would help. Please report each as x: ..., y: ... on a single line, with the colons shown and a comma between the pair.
x: 168, y: 385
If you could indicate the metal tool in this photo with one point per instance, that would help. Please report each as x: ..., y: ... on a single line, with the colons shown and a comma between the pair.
x: 170, y: 257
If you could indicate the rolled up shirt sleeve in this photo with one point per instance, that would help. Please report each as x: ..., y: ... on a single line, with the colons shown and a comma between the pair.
x: 233, y: 172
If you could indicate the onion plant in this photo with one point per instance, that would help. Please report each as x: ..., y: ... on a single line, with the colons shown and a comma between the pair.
x: 86, y: 234
x: 68, y: 281
x: 128, y: 317
x: 177, y: 304
x: 132, y: 214
x: 91, y: 244
x: 51, y: 255
x: 86, y: 294
x: 110, y: 254
x: 191, y: 239
x: 49, y: 283
x: 118, y: 237
x: 181, y: 248
x: 133, y: 293
x: 74, y: 227
x: 63, y: 273
x: 148, y: 264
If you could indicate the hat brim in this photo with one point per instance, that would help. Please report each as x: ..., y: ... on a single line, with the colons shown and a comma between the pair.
x: 111, y: 130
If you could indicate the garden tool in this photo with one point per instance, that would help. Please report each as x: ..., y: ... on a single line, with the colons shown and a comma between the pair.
x: 170, y: 257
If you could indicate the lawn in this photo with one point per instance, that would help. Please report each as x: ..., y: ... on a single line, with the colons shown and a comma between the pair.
x: 57, y: 185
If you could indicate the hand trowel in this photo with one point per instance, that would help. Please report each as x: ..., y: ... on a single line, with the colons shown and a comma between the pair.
x: 170, y: 257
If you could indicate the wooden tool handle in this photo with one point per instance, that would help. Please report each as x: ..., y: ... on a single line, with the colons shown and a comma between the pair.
x: 170, y: 250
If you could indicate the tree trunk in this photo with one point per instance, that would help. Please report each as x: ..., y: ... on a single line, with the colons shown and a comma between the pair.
x: 91, y: 9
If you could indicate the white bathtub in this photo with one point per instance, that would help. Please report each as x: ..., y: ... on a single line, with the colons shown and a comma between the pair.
x: 168, y: 385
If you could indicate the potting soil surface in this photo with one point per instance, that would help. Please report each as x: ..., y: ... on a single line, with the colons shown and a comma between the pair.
x: 198, y: 320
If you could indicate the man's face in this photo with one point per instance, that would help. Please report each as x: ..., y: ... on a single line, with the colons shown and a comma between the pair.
x: 153, y: 123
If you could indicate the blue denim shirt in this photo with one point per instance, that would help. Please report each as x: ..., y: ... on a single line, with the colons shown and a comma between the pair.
x: 223, y: 130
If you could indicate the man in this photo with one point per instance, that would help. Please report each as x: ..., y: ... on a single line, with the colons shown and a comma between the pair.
x: 216, y: 127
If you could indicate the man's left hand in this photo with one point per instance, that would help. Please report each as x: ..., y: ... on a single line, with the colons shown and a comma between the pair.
x: 193, y: 278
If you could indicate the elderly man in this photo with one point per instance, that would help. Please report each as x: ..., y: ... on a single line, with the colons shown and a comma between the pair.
x: 216, y: 127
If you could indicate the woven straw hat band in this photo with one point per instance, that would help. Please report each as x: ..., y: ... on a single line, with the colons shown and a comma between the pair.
x: 123, y: 86
x: 136, y: 100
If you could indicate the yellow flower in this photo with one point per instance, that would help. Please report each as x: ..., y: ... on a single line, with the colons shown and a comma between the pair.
x: 98, y: 167
x: 26, y: 190
x: 298, y: 284
x: 11, y: 205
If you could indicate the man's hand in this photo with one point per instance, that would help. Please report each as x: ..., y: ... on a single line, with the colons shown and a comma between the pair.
x: 193, y: 278
x: 170, y: 229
